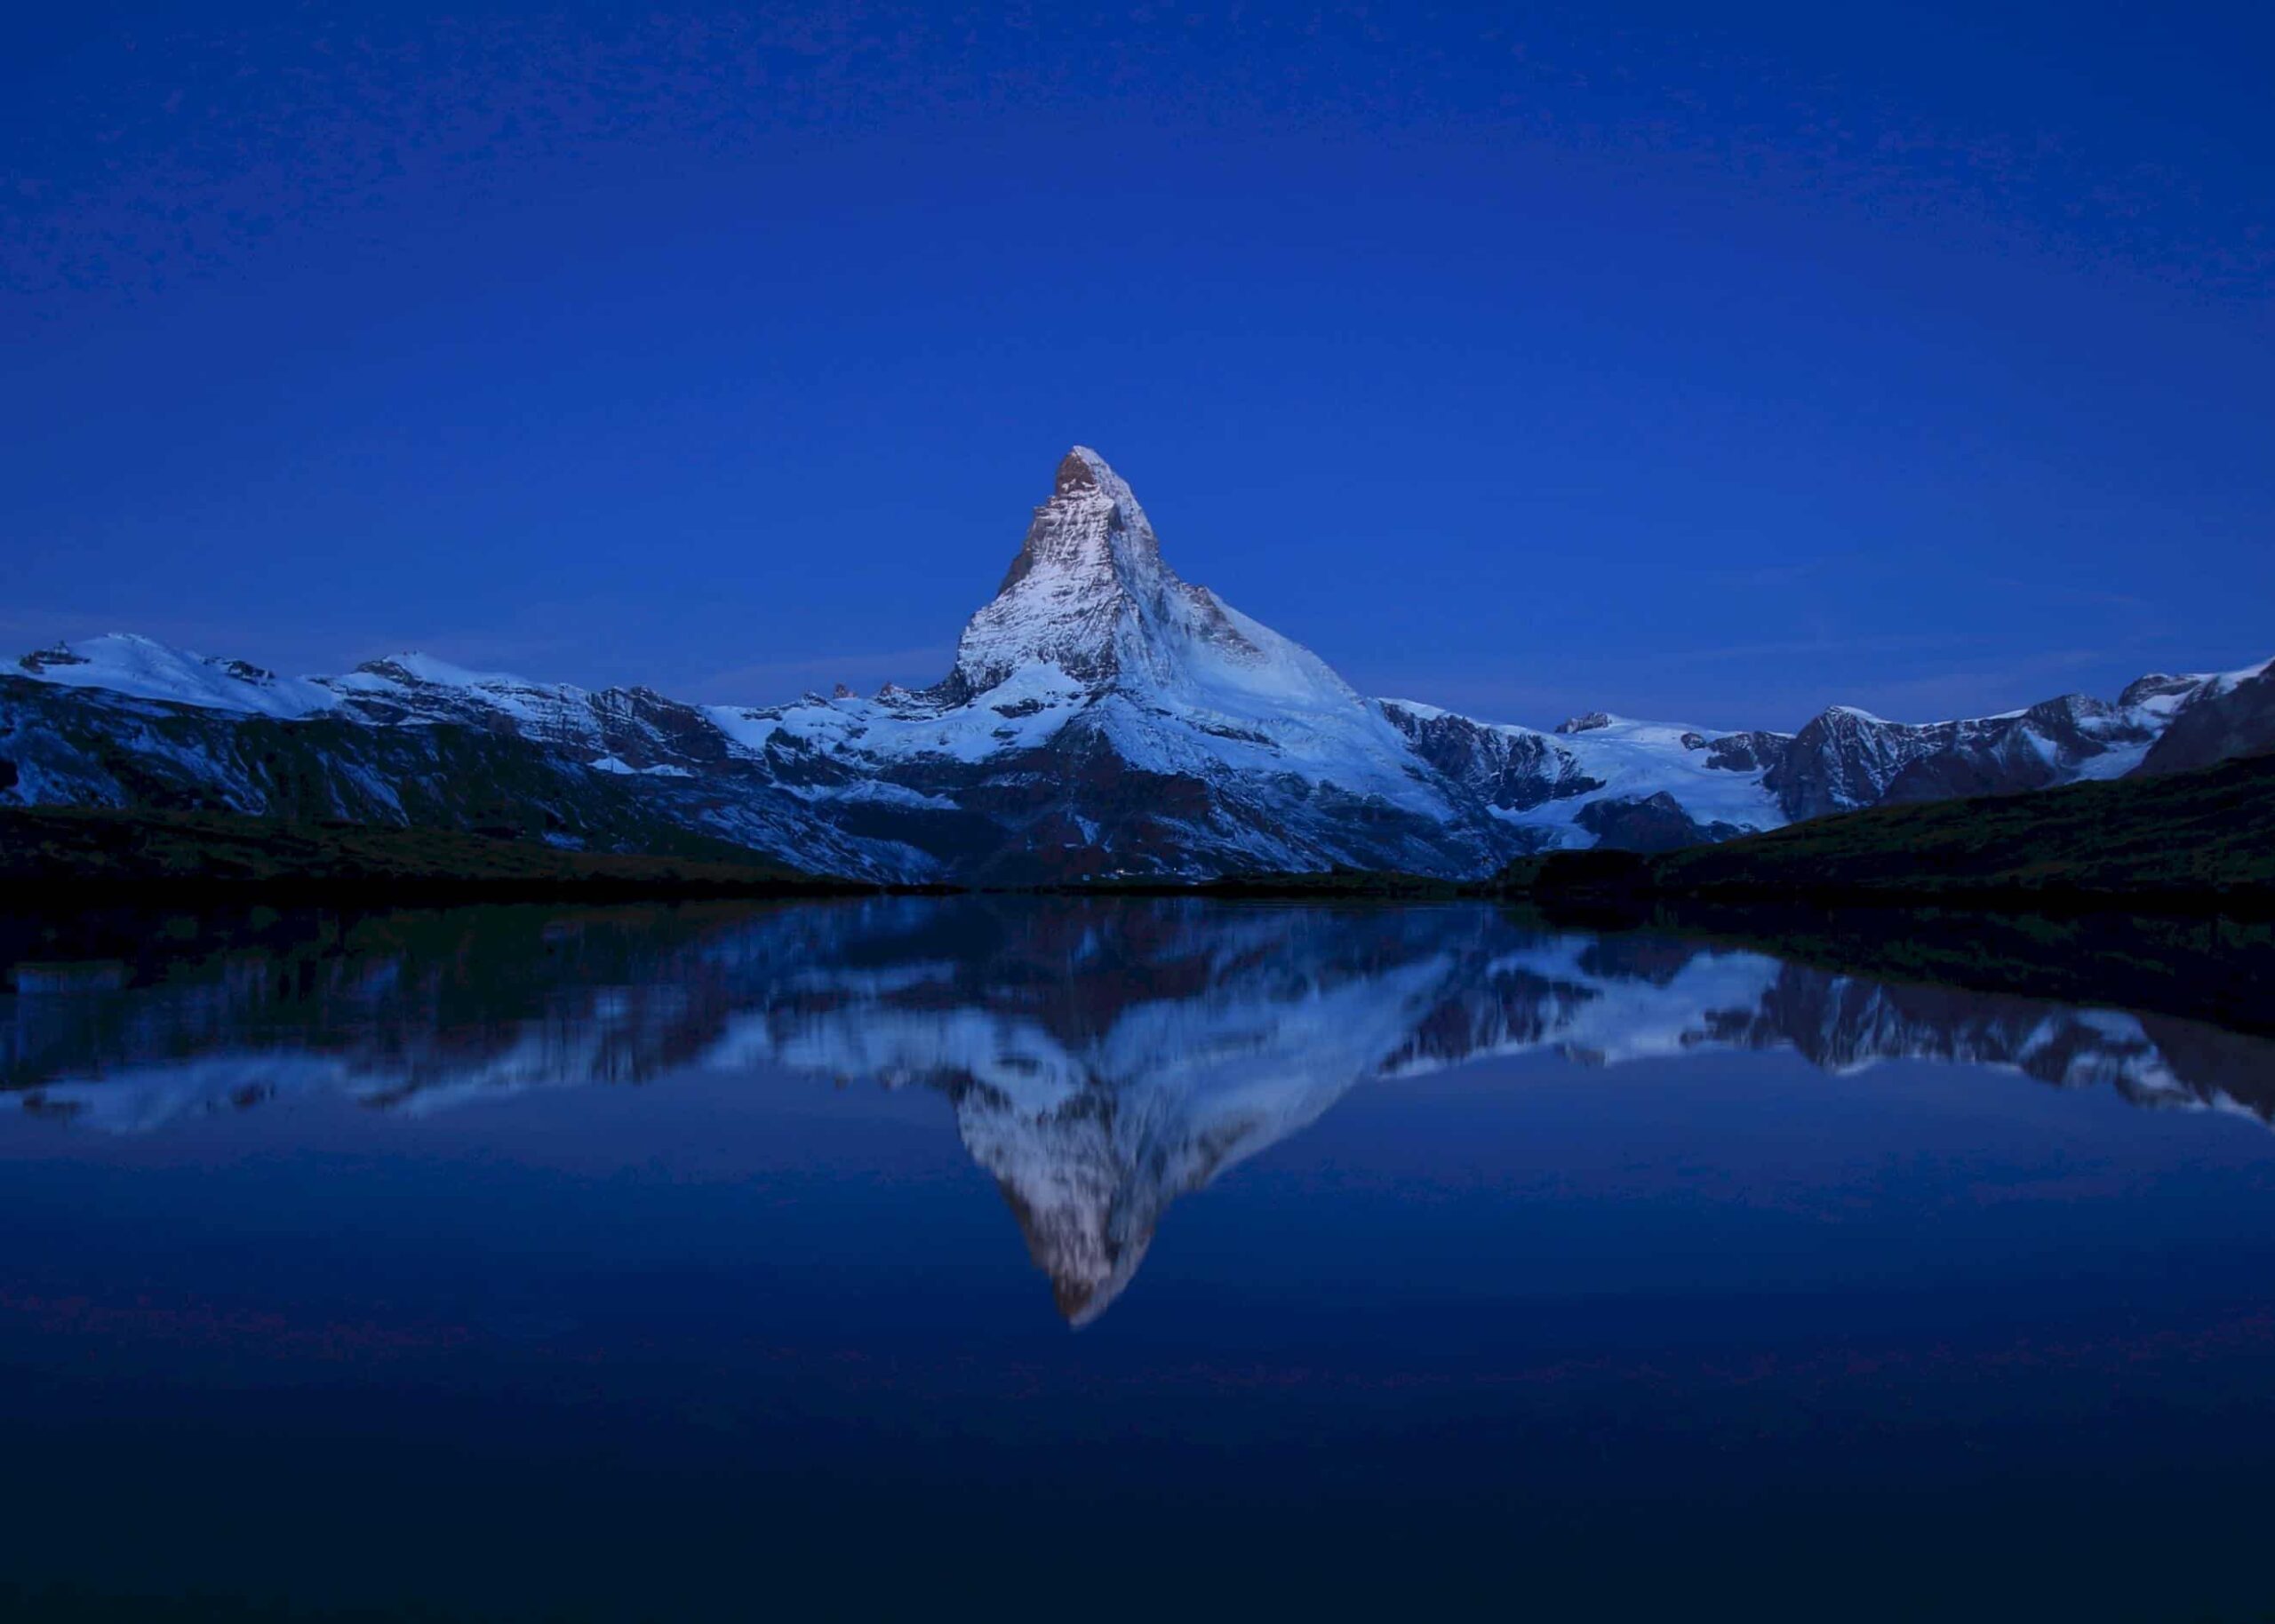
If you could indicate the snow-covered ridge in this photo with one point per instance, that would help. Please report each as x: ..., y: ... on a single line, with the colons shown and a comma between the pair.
x: 123, y: 663
x: 380, y: 690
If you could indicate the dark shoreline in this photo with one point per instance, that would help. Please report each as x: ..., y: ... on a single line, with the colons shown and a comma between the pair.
x: 2198, y: 845
x: 78, y: 858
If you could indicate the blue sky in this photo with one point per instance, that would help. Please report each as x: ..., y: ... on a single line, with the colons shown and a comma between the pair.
x: 1714, y: 367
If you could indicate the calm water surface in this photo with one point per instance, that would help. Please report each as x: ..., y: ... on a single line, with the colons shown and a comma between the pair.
x: 1116, y: 1258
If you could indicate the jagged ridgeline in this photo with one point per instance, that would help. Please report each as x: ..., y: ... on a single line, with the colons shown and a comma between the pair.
x: 1104, y: 717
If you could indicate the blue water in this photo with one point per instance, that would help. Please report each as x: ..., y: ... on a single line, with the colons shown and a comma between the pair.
x: 1120, y: 1258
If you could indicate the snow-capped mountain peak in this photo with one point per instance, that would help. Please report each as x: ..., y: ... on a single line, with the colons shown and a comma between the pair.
x: 1089, y: 594
x: 1112, y: 710
x: 1083, y: 469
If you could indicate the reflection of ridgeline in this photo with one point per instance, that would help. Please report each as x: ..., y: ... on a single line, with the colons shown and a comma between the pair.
x: 1103, y: 1057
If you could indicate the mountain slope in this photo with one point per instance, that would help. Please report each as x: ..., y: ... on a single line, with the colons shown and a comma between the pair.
x: 2225, y: 716
x: 90, y: 748
x: 1109, y: 717
x: 2200, y: 838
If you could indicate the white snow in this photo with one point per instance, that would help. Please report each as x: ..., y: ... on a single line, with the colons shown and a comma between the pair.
x: 123, y: 663
x: 425, y: 668
x: 622, y: 769
x: 421, y: 679
x: 1631, y: 760
x: 1097, y: 628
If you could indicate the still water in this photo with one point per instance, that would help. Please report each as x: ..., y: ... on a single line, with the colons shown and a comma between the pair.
x: 1116, y: 1258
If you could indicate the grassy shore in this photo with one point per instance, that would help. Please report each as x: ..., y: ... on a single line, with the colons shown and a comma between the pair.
x: 75, y: 854
x: 2193, y: 842
x: 2198, y: 842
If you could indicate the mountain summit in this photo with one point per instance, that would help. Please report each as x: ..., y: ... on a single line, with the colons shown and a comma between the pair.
x: 1110, y: 711
x: 1090, y: 598
x: 1103, y: 716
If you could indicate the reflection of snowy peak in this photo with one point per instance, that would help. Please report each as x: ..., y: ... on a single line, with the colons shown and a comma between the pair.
x: 1102, y: 1059
x: 1103, y: 716
x: 1094, y: 1119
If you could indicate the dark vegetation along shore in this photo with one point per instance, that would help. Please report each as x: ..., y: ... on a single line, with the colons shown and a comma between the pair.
x: 2198, y: 842
x: 2193, y: 843
x: 51, y: 855
x: 2155, y: 895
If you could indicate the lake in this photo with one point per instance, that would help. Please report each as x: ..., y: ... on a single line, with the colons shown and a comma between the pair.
x: 1117, y: 1257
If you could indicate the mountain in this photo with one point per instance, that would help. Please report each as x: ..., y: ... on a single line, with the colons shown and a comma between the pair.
x: 2226, y: 716
x: 2192, y: 841
x: 1653, y: 787
x: 1101, y: 1059
x: 1103, y: 717
x: 120, y: 722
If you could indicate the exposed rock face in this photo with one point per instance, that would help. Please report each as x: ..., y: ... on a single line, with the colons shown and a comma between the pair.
x: 1654, y: 822
x: 1605, y: 783
x: 2232, y: 716
x: 1103, y: 716
x: 1847, y: 758
x: 1089, y: 595
x: 1510, y: 769
x: 1750, y: 752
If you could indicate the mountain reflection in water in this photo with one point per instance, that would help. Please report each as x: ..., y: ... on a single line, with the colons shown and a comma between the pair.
x: 1103, y: 1057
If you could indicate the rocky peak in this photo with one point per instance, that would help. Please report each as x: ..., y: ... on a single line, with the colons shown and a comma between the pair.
x: 392, y: 667
x: 1087, y: 595
x: 2157, y: 685
x: 1078, y: 470
x: 1588, y: 723
x: 52, y: 658
x: 1092, y: 521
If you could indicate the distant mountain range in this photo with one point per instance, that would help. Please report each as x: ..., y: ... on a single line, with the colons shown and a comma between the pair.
x: 1103, y: 717
x: 1102, y: 1058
